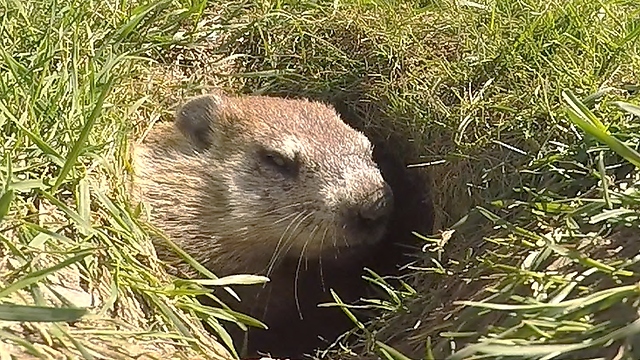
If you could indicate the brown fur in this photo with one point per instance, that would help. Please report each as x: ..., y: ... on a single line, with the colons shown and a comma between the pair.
x: 215, y: 189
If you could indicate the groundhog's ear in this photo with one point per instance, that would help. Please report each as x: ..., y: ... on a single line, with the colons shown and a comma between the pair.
x: 195, y: 119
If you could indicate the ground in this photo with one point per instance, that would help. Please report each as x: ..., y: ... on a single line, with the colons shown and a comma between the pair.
x: 521, y: 112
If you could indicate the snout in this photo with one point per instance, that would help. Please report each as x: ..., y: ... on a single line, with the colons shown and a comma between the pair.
x: 367, y: 221
x: 377, y: 207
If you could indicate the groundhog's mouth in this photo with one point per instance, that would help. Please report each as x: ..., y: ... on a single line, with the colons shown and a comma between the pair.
x: 366, y: 233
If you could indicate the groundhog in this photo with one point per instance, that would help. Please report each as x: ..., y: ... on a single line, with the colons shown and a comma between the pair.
x: 271, y: 186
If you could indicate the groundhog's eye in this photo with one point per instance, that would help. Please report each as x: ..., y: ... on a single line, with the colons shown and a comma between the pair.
x: 279, y: 162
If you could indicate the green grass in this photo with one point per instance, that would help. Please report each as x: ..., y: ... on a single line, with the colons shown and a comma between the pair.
x: 70, y: 92
x: 524, y: 113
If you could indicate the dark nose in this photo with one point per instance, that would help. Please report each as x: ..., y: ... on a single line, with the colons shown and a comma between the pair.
x: 378, y: 207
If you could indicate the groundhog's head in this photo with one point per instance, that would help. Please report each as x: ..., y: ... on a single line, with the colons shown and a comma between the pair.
x: 294, y: 172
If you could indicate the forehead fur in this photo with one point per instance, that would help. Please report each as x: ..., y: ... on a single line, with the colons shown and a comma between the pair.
x: 291, y: 123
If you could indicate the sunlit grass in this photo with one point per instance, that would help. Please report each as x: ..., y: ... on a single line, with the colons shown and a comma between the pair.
x: 73, y: 251
x: 524, y: 113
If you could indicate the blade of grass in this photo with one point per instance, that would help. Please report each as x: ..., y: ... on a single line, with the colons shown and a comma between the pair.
x: 62, y: 333
x: 84, y: 201
x: 232, y: 280
x: 84, y: 135
x: 139, y: 14
x: 393, y: 353
x: 630, y: 108
x: 5, y: 203
x: 85, y: 228
x: 580, y: 108
x: 20, y: 340
x: 539, y: 350
x: 191, y: 261
x: 585, y: 119
x: 228, y: 315
x: 36, y: 276
x: 224, y: 336
x: 14, y: 312
x: 605, y: 181
x: 46, y: 149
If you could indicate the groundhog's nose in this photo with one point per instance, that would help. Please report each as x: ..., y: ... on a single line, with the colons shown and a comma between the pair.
x: 378, y: 206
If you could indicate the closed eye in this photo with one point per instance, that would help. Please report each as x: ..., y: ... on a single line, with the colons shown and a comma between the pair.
x: 279, y: 162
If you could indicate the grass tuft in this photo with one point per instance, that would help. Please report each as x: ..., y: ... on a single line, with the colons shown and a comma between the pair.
x: 78, y: 273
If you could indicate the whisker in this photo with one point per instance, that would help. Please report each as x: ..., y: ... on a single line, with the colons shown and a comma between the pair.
x: 284, y: 218
x: 287, y: 206
x: 266, y: 301
x: 297, y: 276
x: 293, y: 232
x: 324, y: 235
x: 274, y: 256
x: 281, y: 208
x: 292, y: 238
